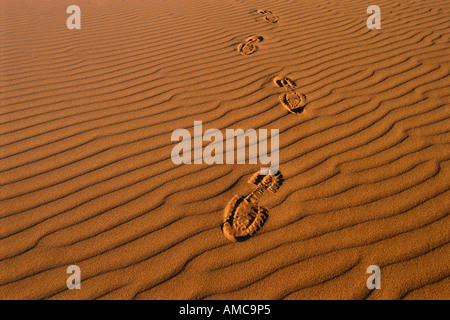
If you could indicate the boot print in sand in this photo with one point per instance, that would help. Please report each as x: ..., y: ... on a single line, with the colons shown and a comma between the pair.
x: 243, y: 216
x: 294, y: 102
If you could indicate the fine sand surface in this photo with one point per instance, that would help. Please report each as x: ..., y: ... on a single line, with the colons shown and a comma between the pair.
x: 86, y: 176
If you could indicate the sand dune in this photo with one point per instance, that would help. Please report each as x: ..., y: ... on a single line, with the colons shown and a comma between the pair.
x: 86, y: 176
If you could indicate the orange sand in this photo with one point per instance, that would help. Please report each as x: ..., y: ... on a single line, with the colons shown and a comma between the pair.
x: 85, y: 170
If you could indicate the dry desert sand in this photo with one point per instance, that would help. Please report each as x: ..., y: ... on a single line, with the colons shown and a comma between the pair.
x: 86, y: 176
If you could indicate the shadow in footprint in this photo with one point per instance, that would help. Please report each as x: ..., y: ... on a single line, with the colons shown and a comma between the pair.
x: 243, y: 216
x: 249, y: 46
x: 293, y: 101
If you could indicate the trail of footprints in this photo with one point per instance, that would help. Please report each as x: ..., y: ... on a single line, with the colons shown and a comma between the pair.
x: 243, y: 216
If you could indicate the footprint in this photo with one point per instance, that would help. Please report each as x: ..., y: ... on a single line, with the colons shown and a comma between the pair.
x: 294, y: 102
x: 243, y: 217
x: 249, y: 46
x: 270, y: 17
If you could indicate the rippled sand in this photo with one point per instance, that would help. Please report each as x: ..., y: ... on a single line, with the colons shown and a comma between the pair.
x: 86, y: 176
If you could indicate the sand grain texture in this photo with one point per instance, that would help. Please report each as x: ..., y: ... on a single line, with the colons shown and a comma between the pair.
x: 86, y: 176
